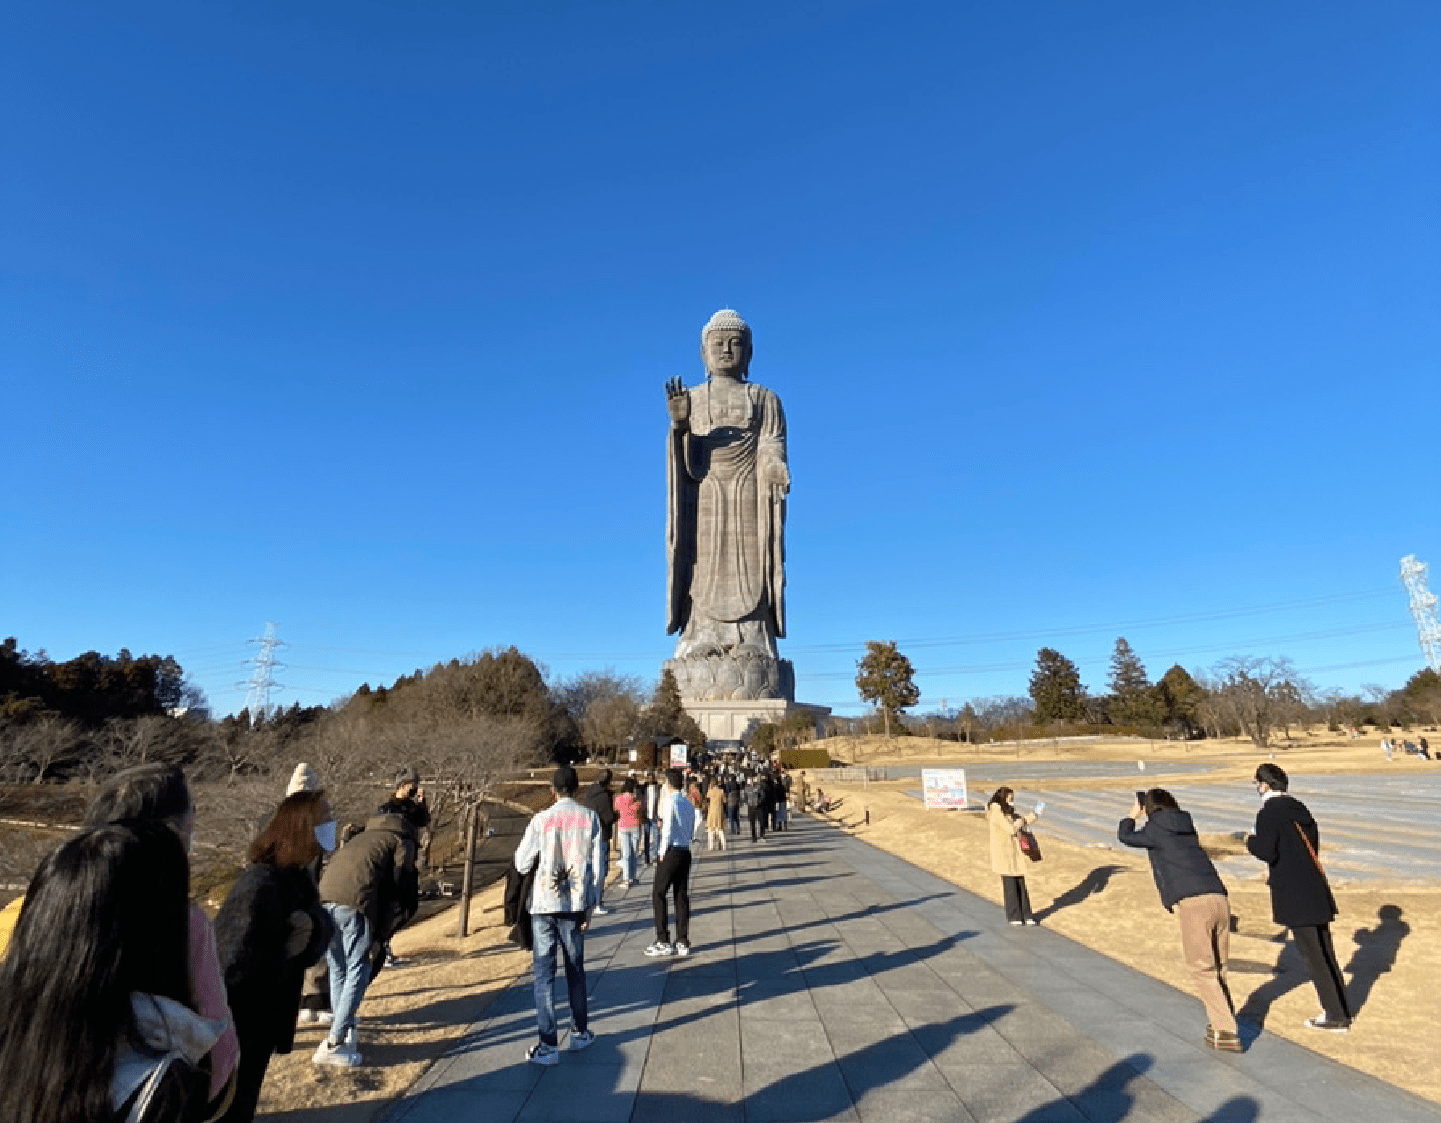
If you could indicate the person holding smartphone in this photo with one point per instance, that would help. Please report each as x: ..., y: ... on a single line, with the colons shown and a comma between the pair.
x: 1007, y: 859
x: 1191, y: 888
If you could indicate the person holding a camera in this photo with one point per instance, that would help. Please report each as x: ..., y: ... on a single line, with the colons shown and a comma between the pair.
x: 1011, y: 852
x: 1191, y: 888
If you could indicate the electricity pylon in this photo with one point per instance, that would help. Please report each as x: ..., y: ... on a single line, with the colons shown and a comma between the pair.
x: 262, y: 680
x: 1423, y: 610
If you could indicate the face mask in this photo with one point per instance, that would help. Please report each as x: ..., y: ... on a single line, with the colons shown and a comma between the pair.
x: 325, y: 835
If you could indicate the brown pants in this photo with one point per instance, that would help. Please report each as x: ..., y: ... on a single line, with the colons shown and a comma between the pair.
x: 1205, y: 935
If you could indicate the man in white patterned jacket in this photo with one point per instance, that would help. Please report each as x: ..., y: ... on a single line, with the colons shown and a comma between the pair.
x: 559, y: 845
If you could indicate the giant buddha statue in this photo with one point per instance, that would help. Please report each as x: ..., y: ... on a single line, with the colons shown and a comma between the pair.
x: 727, y: 481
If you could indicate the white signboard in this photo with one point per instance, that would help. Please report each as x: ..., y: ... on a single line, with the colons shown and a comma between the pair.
x: 677, y: 756
x: 943, y: 787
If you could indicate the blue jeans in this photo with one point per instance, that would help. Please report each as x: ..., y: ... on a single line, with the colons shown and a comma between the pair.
x: 347, y: 957
x: 649, y: 840
x: 549, y: 932
x: 628, y: 842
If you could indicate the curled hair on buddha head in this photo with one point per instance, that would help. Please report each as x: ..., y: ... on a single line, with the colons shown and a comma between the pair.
x: 728, y: 319
x: 1158, y: 797
x: 1273, y: 776
x: 148, y: 791
x: 106, y: 915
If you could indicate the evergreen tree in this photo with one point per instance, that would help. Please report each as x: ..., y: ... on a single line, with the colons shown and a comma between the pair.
x: 1180, y: 697
x: 886, y: 679
x: 1056, y: 688
x: 665, y: 718
x: 1133, y: 699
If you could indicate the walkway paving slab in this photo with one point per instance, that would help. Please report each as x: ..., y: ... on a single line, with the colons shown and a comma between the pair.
x: 832, y: 981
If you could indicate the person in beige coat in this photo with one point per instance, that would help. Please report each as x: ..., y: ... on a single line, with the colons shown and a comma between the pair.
x: 1006, y: 857
x: 715, y: 822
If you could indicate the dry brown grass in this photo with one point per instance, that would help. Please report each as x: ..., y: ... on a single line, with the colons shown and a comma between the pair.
x: 1106, y: 900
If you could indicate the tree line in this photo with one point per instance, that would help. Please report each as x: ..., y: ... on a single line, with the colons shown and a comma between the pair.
x: 1254, y: 697
x: 467, y: 721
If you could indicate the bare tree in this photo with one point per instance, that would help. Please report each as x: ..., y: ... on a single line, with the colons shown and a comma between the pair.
x: 1259, y: 694
x: 44, y: 744
x: 609, y: 723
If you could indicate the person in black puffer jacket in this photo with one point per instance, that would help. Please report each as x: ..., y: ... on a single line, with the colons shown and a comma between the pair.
x: 1190, y: 887
x: 269, y: 930
x: 600, y: 799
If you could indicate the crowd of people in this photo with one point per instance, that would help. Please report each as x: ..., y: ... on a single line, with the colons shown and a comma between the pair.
x: 124, y: 1002
x: 558, y: 878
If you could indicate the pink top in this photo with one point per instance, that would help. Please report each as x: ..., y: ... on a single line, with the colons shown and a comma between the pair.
x: 627, y: 812
x: 210, y: 999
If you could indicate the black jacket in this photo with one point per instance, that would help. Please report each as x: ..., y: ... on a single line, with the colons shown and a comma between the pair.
x: 1178, y: 863
x: 261, y: 982
x: 600, y: 799
x: 517, y: 906
x: 1300, y: 894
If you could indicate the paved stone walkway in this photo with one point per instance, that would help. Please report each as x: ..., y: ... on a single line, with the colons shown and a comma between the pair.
x: 831, y: 981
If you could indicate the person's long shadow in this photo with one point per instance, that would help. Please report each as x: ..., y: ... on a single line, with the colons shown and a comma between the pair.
x: 825, y: 1090
x: 1107, y: 1097
x: 1289, y: 973
x: 1094, y: 882
x: 1375, y: 954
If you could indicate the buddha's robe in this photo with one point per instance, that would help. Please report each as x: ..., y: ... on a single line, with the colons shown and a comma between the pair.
x: 725, y: 527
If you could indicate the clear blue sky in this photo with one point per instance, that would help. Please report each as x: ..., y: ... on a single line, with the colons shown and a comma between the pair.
x: 1089, y: 319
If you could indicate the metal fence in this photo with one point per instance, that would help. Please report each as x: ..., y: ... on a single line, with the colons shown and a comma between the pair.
x: 852, y: 775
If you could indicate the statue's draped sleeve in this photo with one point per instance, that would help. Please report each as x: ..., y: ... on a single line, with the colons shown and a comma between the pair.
x: 679, y: 529
x: 772, y: 496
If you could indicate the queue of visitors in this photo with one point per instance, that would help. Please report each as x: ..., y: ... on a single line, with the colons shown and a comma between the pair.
x: 123, y: 1001
x: 182, y: 1022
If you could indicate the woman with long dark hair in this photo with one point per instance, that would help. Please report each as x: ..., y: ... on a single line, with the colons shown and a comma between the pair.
x: 1005, y: 824
x: 96, y: 984
x: 269, y: 930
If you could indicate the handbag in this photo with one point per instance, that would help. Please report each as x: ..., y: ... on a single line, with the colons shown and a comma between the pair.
x: 1028, y: 843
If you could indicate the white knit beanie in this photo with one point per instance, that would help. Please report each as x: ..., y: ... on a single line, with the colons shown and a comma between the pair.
x: 303, y: 779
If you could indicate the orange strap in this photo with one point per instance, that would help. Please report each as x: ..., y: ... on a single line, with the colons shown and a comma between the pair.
x: 1307, y: 843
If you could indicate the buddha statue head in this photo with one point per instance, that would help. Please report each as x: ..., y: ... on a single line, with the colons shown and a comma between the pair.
x: 725, y: 345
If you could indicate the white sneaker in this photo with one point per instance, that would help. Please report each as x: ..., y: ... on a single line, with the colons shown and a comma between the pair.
x: 658, y: 949
x: 341, y: 1056
x: 682, y: 948
x: 580, y: 1039
x: 601, y: 910
x: 542, y: 1054
x: 306, y: 1016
